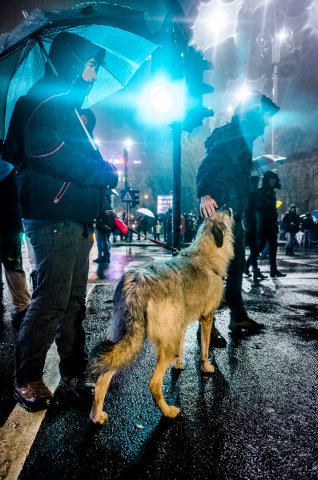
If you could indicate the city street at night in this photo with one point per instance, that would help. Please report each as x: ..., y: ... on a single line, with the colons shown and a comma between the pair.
x: 130, y: 131
x: 254, y: 418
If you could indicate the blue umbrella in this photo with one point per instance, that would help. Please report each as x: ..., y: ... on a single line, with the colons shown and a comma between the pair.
x: 122, y: 31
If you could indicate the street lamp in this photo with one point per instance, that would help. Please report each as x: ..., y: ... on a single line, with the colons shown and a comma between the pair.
x: 276, y: 41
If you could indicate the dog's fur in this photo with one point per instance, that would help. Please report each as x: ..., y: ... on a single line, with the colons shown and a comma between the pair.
x: 158, y: 302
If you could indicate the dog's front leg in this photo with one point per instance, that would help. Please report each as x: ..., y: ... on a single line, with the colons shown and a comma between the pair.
x: 97, y: 415
x: 206, y: 327
x: 178, y: 361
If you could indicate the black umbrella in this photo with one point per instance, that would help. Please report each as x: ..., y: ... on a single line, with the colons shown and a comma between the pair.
x: 122, y: 31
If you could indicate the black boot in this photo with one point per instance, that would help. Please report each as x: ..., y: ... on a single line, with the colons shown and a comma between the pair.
x: 276, y: 273
x: 257, y: 275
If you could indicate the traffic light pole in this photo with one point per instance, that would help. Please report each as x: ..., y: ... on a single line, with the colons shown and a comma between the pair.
x: 176, y: 179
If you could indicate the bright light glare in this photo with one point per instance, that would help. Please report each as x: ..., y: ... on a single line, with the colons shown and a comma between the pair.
x: 215, y: 23
x: 285, y: 35
x: 128, y: 142
x: 218, y: 20
x: 161, y: 98
x: 243, y: 94
x: 162, y: 102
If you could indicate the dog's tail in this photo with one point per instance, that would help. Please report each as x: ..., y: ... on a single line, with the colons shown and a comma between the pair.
x: 127, y: 328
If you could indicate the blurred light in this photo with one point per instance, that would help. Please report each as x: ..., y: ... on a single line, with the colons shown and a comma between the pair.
x: 243, y: 93
x: 128, y: 143
x: 146, y: 197
x: 137, y: 162
x: 216, y: 22
x: 285, y: 35
x: 162, y: 102
x: 230, y: 109
x: 117, y: 161
x: 279, y: 203
x: 97, y: 141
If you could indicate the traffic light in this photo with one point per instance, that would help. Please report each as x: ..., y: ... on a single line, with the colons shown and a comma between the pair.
x: 135, y: 198
x: 167, y: 61
x: 195, y: 66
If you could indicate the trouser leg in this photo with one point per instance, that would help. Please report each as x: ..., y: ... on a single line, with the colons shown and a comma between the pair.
x: 273, y: 251
x: 70, y: 336
x: 233, y: 291
x: 55, y: 248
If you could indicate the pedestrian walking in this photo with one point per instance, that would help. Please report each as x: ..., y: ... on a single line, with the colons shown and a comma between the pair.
x: 61, y: 179
x: 223, y: 180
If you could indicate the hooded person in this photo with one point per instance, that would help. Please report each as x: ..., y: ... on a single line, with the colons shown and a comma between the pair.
x: 267, y: 219
x: 223, y: 180
x: 61, y: 180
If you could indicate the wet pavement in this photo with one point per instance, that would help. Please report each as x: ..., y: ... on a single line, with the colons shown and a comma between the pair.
x: 254, y: 418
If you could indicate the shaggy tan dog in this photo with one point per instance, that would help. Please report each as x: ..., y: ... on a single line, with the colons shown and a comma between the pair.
x: 158, y: 302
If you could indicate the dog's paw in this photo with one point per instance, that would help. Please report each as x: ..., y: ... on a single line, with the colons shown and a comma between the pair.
x: 207, y: 368
x: 99, y: 420
x: 171, y: 411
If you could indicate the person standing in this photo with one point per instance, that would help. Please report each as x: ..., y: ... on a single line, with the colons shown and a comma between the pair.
x: 223, y: 181
x: 291, y: 222
x: 250, y: 224
x: 307, y: 226
x: 267, y: 219
x: 10, y: 245
x: 61, y: 179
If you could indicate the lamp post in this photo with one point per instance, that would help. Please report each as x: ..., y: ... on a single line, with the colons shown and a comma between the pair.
x: 275, y: 41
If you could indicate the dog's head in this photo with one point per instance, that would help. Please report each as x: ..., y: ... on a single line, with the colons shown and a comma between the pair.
x: 219, y: 225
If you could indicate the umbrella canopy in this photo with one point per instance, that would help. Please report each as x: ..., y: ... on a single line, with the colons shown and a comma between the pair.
x: 264, y: 163
x: 146, y: 211
x: 122, y: 31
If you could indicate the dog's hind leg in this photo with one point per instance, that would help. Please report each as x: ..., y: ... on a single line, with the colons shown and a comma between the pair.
x: 206, y: 327
x: 155, y: 385
x: 97, y: 414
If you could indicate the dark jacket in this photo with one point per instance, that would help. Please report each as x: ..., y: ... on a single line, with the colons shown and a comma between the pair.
x: 266, y: 212
x: 60, y: 176
x: 291, y: 222
x: 224, y: 174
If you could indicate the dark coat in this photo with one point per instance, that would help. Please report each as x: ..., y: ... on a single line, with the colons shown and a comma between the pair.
x: 266, y: 212
x: 291, y: 222
x: 224, y: 174
x: 60, y: 176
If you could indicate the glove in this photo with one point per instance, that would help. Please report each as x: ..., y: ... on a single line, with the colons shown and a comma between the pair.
x: 109, y: 221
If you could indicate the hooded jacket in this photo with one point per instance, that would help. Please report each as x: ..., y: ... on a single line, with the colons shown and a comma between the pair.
x: 60, y: 175
x: 225, y: 172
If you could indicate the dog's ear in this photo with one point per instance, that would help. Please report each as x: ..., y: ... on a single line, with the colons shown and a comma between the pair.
x: 218, y: 235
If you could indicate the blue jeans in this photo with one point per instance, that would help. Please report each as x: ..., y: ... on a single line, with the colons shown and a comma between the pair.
x: 57, y: 309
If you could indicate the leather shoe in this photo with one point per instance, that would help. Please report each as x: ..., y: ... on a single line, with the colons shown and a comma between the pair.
x: 277, y: 273
x: 245, y: 324
x: 257, y: 275
x: 33, y: 396
x: 77, y: 386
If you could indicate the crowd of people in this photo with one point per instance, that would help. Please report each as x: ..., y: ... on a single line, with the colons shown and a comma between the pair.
x: 65, y: 185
